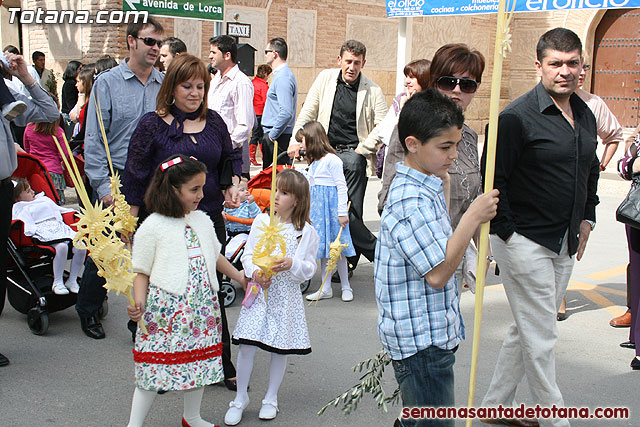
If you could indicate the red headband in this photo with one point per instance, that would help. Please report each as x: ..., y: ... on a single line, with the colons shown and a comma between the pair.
x: 173, y: 162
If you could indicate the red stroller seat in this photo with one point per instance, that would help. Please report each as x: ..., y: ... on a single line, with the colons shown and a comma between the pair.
x: 30, y: 270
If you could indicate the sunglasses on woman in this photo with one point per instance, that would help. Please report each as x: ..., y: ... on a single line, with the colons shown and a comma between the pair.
x: 449, y: 83
x: 150, y: 41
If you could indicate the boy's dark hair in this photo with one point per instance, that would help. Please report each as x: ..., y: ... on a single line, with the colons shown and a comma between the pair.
x: 560, y: 39
x: 354, y: 47
x: 293, y: 182
x: 133, y: 28
x: 279, y: 46
x: 226, y: 44
x: 35, y: 55
x: 426, y: 115
x: 21, y: 185
x: 161, y: 196
x: 175, y: 45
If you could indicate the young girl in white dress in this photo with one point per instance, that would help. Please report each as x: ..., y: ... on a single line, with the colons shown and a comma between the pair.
x: 176, y: 254
x: 328, y: 205
x: 42, y: 219
x: 276, y: 324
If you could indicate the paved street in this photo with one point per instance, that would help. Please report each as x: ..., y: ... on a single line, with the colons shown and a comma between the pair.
x: 66, y: 379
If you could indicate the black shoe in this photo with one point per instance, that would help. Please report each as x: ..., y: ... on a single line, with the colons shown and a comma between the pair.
x: 635, y: 364
x: 92, y: 328
x: 335, y: 278
x: 628, y: 344
x: 133, y: 327
x: 561, y: 316
x: 3, y: 360
x: 231, y: 384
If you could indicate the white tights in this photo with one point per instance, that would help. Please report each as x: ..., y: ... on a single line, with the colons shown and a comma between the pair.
x: 142, y: 400
x: 60, y: 261
x: 278, y: 365
x: 343, y: 272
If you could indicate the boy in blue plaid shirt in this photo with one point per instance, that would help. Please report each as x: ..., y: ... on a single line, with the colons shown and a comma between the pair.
x: 417, y: 253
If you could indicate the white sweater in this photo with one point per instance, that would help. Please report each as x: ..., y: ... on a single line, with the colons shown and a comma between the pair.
x: 160, y: 250
x: 40, y: 209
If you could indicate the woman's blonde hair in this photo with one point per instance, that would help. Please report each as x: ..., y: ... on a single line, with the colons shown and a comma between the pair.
x: 182, y: 68
x: 293, y: 182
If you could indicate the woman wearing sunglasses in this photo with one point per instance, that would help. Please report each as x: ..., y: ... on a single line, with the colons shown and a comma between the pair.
x: 456, y: 71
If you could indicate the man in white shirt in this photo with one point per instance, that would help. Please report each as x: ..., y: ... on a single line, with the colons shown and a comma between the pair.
x: 231, y: 95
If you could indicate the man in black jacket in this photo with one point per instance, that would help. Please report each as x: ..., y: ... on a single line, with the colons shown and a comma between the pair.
x: 547, y: 174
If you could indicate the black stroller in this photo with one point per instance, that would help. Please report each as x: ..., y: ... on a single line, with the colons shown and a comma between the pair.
x: 30, y: 270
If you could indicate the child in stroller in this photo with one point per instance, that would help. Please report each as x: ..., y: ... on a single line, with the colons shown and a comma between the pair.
x: 238, y: 224
x: 43, y: 222
x: 29, y: 272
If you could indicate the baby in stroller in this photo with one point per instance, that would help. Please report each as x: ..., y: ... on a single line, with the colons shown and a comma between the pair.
x: 43, y: 222
x: 247, y: 210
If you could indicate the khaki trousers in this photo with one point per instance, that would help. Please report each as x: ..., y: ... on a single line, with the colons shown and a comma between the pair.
x: 535, y: 280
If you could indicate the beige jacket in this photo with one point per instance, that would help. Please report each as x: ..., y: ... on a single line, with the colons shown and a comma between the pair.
x: 371, y: 108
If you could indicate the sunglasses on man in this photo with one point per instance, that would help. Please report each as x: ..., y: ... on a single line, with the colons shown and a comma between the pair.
x: 150, y: 41
x: 449, y: 83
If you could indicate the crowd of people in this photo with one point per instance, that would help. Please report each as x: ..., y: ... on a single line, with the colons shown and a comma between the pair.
x: 183, y: 137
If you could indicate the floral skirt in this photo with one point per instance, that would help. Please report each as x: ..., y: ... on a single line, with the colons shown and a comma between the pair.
x: 184, y: 346
x: 59, y: 184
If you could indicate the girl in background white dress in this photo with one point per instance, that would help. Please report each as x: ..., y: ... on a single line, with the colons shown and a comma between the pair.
x: 276, y: 324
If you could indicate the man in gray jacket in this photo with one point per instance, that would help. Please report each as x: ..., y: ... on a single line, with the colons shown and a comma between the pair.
x: 40, y: 108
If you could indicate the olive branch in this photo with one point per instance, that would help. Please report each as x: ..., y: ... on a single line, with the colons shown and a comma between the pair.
x: 370, y: 382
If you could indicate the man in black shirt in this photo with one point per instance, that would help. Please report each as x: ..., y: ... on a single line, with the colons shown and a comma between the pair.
x: 547, y: 174
x: 349, y: 106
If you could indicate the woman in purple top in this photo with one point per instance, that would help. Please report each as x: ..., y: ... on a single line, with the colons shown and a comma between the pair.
x: 628, y: 168
x: 182, y: 124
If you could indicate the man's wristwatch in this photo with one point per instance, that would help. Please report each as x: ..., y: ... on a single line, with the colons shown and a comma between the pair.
x: 591, y: 223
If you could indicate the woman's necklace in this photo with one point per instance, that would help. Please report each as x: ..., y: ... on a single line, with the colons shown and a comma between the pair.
x: 470, y: 154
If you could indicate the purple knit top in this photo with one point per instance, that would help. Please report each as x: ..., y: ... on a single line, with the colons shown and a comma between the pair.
x: 150, y: 145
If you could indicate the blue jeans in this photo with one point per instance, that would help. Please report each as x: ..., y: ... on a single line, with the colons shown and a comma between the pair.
x: 426, y: 380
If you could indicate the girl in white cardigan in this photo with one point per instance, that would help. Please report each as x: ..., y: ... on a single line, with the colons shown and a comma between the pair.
x: 175, y: 254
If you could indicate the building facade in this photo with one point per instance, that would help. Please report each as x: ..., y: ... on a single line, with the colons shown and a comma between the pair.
x: 315, y: 30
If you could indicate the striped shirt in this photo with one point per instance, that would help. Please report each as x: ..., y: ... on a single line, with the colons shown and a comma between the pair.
x: 414, y: 231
